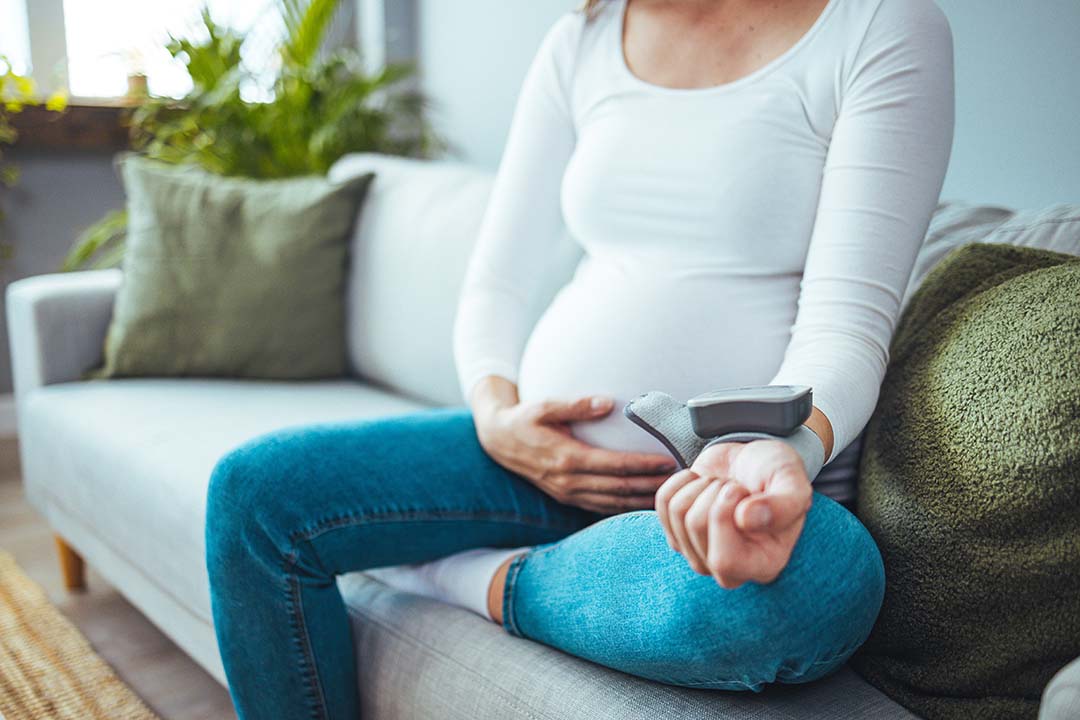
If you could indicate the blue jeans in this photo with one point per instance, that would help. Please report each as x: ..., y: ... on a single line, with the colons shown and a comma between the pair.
x: 291, y: 510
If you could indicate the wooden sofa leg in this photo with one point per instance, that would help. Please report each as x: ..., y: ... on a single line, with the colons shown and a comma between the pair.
x: 71, y: 565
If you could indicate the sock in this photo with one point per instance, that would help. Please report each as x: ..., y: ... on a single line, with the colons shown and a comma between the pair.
x: 462, y: 579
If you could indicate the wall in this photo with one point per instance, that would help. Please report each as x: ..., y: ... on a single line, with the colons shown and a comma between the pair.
x: 58, y: 195
x: 1018, y: 100
x: 1018, y: 97
x: 473, y: 55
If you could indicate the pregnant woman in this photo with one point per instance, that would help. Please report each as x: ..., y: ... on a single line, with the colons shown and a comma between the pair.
x: 750, y: 181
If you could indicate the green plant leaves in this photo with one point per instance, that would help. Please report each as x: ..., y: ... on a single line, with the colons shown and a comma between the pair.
x: 322, y: 106
x: 305, y: 24
x: 103, y: 242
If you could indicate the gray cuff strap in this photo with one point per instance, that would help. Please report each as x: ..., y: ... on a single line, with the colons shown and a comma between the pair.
x: 805, y: 441
x: 668, y: 420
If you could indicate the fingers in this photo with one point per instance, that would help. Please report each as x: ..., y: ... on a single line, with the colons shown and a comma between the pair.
x: 612, y: 462
x: 785, y: 500
x: 663, y: 501
x: 578, y: 456
x: 718, y: 459
x: 697, y: 524
x: 566, y: 454
x: 586, y: 408
x: 726, y: 546
x: 679, y: 505
x: 647, y: 485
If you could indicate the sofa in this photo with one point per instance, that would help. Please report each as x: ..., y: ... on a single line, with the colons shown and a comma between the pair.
x: 120, y: 467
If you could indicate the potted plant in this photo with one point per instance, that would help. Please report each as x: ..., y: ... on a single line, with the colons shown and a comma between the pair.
x: 320, y: 107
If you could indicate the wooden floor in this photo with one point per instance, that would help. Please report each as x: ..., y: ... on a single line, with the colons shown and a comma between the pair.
x: 162, y: 675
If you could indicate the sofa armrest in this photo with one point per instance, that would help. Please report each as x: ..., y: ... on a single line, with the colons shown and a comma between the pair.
x: 57, y: 325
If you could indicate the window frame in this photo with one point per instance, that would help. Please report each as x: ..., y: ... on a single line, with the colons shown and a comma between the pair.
x: 385, y: 28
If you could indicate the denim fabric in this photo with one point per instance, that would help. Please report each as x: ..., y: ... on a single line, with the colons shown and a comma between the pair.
x: 289, y: 511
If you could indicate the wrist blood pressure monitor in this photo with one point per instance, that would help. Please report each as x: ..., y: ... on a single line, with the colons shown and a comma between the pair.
x: 776, y: 409
x: 740, y: 414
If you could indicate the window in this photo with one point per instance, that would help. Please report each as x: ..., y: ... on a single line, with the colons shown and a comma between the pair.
x: 14, y: 36
x: 106, y: 41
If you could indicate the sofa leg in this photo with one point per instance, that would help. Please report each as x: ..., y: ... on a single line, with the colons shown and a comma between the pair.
x: 71, y: 565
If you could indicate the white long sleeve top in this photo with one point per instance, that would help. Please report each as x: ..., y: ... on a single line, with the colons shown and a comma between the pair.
x: 756, y: 232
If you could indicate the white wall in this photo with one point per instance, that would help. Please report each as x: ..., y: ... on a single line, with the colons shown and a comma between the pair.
x: 473, y: 55
x: 1018, y: 88
x: 1018, y: 101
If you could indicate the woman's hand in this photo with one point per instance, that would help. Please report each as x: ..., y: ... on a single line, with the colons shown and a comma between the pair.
x: 534, y: 441
x: 737, y: 512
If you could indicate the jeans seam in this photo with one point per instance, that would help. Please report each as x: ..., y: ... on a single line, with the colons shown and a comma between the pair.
x: 848, y: 649
x: 750, y: 686
x: 313, y: 531
x: 709, y: 683
x: 290, y: 559
x: 312, y: 683
x: 509, y: 621
x: 508, y: 606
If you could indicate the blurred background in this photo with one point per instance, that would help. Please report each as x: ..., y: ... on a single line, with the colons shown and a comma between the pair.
x: 1018, y: 93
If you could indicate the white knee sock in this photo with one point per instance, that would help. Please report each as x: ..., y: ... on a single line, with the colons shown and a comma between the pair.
x: 462, y: 579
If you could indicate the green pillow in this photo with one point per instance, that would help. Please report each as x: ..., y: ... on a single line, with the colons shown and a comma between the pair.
x: 231, y: 277
x: 970, y: 484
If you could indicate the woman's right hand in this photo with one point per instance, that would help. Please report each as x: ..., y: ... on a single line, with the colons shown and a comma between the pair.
x: 534, y: 440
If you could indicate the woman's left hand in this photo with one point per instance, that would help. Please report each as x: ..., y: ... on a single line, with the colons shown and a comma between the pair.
x: 737, y: 512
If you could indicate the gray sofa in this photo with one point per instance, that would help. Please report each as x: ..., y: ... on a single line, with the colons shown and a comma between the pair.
x: 120, y: 468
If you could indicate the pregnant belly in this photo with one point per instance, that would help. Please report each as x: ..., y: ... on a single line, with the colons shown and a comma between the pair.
x: 610, y: 332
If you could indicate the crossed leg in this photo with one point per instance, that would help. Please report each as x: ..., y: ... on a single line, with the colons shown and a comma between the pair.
x: 290, y: 511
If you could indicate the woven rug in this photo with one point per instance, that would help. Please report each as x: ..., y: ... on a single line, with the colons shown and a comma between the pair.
x: 47, y: 668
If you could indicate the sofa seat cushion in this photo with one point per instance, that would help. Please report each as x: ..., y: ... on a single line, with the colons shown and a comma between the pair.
x: 423, y: 660
x: 131, y: 459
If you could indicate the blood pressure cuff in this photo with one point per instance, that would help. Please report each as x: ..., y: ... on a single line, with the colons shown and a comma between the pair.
x: 668, y: 420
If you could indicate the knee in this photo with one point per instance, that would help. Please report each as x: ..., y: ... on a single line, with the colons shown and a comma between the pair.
x: 243, y: 499
x: 837, y: 580
x: 839, y: 550
x: 798, y: 628
x: 731, y: 639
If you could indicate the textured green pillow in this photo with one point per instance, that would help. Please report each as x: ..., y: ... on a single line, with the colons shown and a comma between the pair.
x: 970, y: 484
x: 231, y: 277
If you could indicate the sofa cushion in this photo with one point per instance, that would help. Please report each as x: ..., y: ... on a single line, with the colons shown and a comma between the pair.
x: 131, y: 459
x: 969, y: 483
x: 422, y: 660
x: 1054, y: 228
x: 409, y: 252
x: 231, y: 277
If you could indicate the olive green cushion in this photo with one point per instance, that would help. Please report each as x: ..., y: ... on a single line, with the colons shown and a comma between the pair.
x: 970, y: 484
x: 231, y: 277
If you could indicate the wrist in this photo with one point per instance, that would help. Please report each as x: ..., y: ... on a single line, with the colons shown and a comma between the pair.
x: 491, y: 394
x: 804, y: 441
x: 822, y: 428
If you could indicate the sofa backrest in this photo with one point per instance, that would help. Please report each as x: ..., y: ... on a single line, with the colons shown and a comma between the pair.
x: 954, y: 224
x: 417, y: 227
x: 409, y: 251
